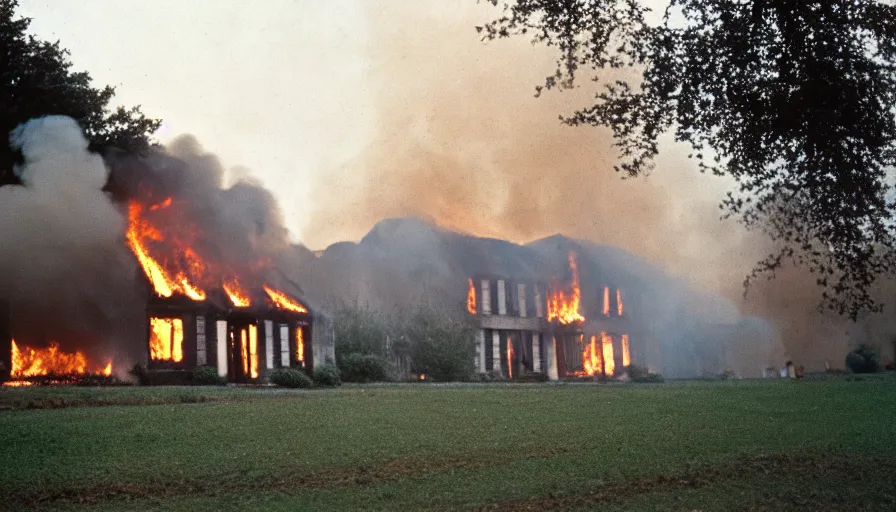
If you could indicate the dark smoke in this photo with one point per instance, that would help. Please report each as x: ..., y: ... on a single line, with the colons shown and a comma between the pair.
x: 64, y: 264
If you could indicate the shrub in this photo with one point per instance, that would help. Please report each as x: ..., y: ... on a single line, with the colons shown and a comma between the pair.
x: 638, y: 374
x: 207, y: 376
x: 533, y: 377
x: 327, y: 376
x: 864, y: 359
x: 291, y: 378
x: 140, y: 373
x: 362, y: 368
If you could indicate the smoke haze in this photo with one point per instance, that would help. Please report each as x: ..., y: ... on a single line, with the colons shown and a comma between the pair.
x: 461, y: 140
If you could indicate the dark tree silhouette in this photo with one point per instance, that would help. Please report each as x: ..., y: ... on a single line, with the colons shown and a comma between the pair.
x: 36, y: 80
x: 794, y: 99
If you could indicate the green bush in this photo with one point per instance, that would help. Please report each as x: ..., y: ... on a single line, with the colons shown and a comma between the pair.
x: 291, y: 378
x: 207, y: 376
x: 863, y: 360
x: 362, y: 368
x: 327, y: 376
x: 638, y: 374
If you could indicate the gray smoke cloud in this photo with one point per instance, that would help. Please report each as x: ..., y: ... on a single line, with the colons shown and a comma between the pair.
x: 63, y: 263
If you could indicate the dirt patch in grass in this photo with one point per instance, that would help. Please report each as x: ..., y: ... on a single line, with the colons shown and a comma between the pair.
x: 874, y: 475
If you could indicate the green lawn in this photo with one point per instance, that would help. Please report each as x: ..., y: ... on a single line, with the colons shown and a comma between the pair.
x: 775, y: 445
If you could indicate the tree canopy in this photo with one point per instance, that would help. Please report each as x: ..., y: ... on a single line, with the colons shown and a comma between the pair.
x: 794, y: 99
x: 36, y: 80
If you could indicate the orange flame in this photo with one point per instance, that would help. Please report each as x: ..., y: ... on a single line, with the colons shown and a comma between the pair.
x: 471, y: 298
x: 166, y: 339
x: 609, y: 363
x: 244, y: 348
x: 282, y: 301
x: 591, y: 358
x: 253, y: 351
x: 235, y: 292
x: 139, y: 235
x: 626, y: 356
x: 31, y: 362
x: 566, y: 309
x: 509, y: 358
x: 300, y: 345
x: 619, y: 301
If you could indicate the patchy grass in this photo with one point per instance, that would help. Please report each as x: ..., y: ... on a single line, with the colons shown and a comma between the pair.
x: 729, y: 445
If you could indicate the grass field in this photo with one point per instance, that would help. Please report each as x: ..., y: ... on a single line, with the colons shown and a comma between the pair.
x: 772, y: 445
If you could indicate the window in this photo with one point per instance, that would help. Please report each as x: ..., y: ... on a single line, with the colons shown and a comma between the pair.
x: 201, y: 355
x: 269, y: 344
x: 284, y: 345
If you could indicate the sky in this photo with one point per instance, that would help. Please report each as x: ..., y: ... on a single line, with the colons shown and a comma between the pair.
x: 277, y: 88
x: 351, y: 111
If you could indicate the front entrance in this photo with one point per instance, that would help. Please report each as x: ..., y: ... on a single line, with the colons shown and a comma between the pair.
x: 242, y: 351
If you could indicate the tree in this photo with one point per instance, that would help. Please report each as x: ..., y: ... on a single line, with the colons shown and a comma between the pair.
x: 794, y: 99
x: 36, y: 80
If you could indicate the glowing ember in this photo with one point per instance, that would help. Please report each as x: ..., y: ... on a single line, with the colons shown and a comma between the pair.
x: 471, y: 298
x: 282, y: 301
x: 244, y: 349
x: 619, y: 301
x: 591, y: 358
x: 166, y: 339
x: 300, y: 345
x: 563, y: 308
x: 237, y: 295
x: 31, y: 362
x: 626, y: 356
x: 609, y: 364
x: 141, y: 233
x: 607, y: 300
x: 509, y: 358
x: 253, y: 351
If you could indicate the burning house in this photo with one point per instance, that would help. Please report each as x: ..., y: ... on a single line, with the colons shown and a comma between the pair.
x: 155, y: 262
x: 526, y: 326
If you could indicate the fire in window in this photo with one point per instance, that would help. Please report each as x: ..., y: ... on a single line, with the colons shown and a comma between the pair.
x: 166, y: 339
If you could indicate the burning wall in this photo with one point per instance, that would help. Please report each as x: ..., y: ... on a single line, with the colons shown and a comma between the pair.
x: 526, y: 326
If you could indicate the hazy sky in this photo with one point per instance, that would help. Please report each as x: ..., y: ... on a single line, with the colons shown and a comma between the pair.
x: 276, y: 87
x: 325, y: 102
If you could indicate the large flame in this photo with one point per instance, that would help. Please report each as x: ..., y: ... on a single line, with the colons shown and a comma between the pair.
x: 626, y: 356
x: 471, y: 298
x: 32, y: 362
x: 166, y: 339
x: 591, y: 358
x: 140, y: 235
x: 282, y: 301
x: 300, y: 345
x: 563, y: 308
x: 609, y: 363
x: 235, y: 292
x: 253, y: 351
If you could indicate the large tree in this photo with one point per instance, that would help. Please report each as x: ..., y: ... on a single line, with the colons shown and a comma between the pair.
x: 794, y: 99
x: 36, y: 80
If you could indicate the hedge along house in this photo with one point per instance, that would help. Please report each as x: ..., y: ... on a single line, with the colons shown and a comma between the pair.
x: 528, y: 327
x: 231, y: 316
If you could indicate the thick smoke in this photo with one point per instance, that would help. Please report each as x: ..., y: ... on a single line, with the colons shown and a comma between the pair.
x: 460, y: 139
x: 63, y: 263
